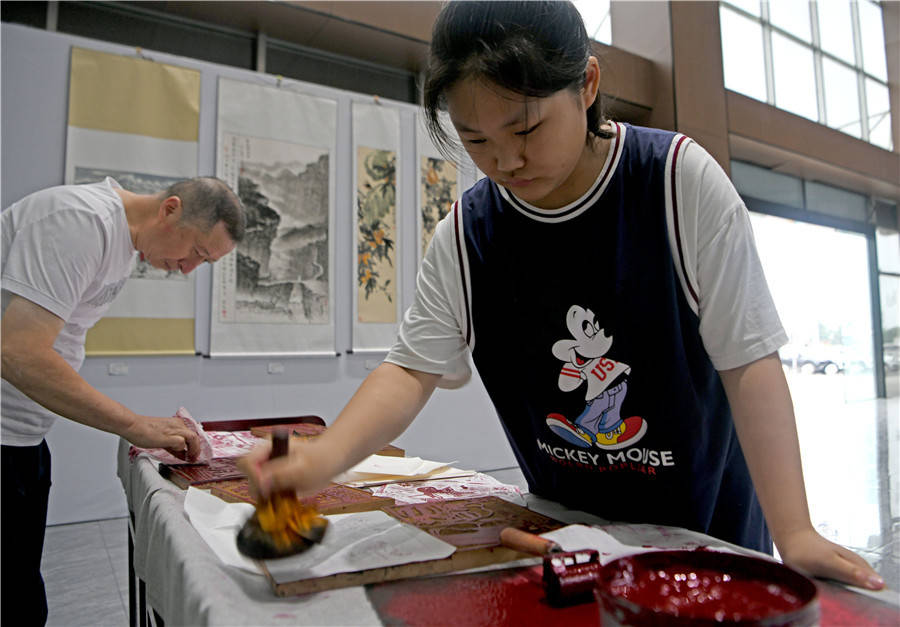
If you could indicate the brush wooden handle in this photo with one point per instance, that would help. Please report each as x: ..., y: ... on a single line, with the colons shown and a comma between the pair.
x: 527, y: 542
x: 281, y: 439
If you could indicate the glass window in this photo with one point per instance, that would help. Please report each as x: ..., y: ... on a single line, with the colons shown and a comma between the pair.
x: 764, y: 184
x: 835, y: 201
x: 889, y: 287
x: 887, y: 243
x: 795, y: 52
x: 742, y: 57
x: 841, y: 97
x: 791, y: 16
x: 872, y: 32
x: 836, y: 29
x: 795, y: 79
x: 878, y: 101
x: 750, y: 6
x: 595, y: 14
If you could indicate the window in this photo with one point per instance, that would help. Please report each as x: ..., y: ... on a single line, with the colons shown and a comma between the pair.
x: 595, y: 14
x: 822, y: 60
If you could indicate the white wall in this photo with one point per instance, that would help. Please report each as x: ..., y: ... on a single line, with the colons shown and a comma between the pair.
x: 458, y: 425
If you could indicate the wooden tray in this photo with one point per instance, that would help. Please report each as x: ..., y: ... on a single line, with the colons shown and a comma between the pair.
x: 472, y: 525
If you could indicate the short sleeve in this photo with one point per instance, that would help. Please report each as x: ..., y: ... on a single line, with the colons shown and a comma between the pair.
x: 430, y: 337
x: 52, y: 261
x: 738, y: 319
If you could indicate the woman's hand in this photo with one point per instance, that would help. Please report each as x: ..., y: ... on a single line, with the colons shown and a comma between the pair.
x: 305, y: 469
x: 807, y: 551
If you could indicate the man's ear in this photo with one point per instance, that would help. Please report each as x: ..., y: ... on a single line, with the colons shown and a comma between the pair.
x: 170, y: 208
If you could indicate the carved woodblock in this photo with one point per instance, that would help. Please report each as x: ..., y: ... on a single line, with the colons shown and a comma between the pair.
x: 471, y: 523
x: 335, y: 499
x: 219, y: 469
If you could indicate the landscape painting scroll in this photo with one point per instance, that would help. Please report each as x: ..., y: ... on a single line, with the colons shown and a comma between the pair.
x: 273, y: 294
x: 136, y: 120
x: 376, y: 140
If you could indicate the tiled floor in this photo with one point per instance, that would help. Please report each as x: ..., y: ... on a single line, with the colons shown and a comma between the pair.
x: 85, y: 568
x: 850, y: 458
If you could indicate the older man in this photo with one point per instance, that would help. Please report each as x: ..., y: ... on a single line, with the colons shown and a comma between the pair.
x: 67, y: 251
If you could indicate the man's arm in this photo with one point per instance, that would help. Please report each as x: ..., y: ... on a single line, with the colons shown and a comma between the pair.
x: 764, y: 418
x: 31, y: 365
x: 381, y: 409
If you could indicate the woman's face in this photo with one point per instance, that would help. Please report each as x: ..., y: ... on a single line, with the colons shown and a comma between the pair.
x: 535, y: 147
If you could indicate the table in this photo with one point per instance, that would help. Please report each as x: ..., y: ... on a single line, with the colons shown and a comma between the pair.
x: 177, y: 579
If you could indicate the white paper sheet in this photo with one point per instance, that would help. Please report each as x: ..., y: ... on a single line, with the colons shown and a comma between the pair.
x: 401, y: 466
x: 381, y: 469
x: 367, y: 481
x: 577, y: 537
x: 353, y: 541
x: 432, y: 490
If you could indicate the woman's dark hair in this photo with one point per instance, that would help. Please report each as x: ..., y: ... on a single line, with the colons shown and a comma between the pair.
x: 530, y: 48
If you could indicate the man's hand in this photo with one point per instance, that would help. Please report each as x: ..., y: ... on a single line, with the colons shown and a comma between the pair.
x: 809, y: 552
x: 170, y: 434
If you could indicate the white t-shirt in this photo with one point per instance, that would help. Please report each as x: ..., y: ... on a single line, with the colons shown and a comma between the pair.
x: 738, y: 320
x: 69, y: 250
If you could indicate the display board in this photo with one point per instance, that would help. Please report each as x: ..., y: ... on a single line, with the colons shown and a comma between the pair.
x: 136, y: 120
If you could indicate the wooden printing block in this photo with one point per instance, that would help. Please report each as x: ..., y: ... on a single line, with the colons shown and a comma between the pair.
x: 184, y: 475
x: 471, y: 523
x: 335, y: 499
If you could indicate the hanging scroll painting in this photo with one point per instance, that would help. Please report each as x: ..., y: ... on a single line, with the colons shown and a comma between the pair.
x: 376, y: 139
x: 273, y: 294
x: 136, y: 120
x: 438, y: 186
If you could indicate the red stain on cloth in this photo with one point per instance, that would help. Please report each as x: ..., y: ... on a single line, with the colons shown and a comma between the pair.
x: 206, y: 448
x: 499, y: 598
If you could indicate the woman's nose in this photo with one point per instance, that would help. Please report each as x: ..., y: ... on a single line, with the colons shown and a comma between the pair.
x: 511, y: 155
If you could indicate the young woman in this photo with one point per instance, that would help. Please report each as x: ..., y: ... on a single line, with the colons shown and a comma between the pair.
x: 605, y: 280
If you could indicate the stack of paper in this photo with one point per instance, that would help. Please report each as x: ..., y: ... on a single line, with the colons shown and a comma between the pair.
x: 381, y: 469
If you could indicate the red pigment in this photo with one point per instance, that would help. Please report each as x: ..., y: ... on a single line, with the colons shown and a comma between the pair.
x: 680, y: 587
x: 683, y: 590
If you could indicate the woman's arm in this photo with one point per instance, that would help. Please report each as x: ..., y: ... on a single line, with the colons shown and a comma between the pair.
x: 764, y: 418
x: 381, y: 409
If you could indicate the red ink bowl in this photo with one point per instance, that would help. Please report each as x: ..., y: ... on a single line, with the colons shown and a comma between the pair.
x: 703, y: 589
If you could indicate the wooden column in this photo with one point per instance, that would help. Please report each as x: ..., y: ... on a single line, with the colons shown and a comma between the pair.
x: 700, y: 107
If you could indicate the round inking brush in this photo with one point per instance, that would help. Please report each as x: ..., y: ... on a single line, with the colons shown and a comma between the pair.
x: 281, y: 525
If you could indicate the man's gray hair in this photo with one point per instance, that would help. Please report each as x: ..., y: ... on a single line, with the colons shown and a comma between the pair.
x: 206, y: 200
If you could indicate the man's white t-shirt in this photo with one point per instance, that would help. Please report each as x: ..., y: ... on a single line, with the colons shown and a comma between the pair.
x: 69, y: 250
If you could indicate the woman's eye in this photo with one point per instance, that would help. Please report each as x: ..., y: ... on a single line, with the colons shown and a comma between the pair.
x: 528, y: 130
x: 474, y: 141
